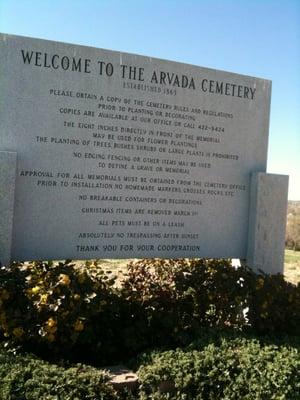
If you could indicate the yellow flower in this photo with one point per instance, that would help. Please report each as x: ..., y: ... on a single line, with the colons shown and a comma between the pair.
x: 64, y: 280
x: 51, y: 322
x: 51, y: 326
x: 76, y: 296
x: 43, y: 298
x: 78, y: 326
x: 18, y: 332
x: 35, y: 289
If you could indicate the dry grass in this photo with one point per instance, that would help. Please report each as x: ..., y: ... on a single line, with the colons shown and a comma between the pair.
x: 292, y: 266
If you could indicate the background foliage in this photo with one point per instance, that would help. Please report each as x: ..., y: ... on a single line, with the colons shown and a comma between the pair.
x: 292, y: 238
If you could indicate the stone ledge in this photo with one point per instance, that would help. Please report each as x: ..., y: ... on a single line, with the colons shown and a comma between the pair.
x: 122, y: 378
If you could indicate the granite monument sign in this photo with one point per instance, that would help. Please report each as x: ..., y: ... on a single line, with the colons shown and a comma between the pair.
x: 113, y: 155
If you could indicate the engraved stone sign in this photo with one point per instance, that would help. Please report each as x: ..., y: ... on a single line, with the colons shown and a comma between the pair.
x: 122, y: 156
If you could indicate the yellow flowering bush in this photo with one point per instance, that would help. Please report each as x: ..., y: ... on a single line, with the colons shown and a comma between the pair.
x: 77, y: 309
x: 52, y: 305
x: 17, y: 314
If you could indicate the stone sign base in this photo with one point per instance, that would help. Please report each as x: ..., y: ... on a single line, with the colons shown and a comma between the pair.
x: 267, y: 222
x: 8, y: 165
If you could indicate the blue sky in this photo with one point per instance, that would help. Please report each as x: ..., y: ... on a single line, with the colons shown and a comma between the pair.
x: 258, y: 38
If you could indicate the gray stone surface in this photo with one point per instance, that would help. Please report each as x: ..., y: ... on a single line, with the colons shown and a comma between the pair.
x: 8, y: 163
x: 123, y: 156
x: 122, y: 378
x: 267, y: 222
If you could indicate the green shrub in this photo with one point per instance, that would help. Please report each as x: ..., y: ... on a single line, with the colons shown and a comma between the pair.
x: 218, y: 366
x: 178, y: 297
x: 274, y: 305
x: 27, y: 377
x: 235, y: 369
x: 78, y: 311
